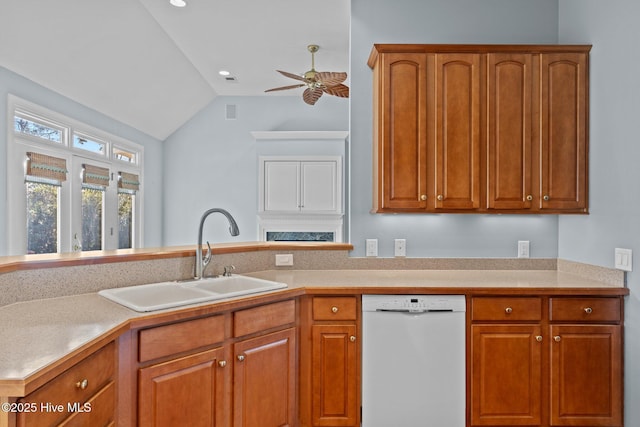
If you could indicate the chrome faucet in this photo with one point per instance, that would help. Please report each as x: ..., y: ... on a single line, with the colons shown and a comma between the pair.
x: 203, y: 261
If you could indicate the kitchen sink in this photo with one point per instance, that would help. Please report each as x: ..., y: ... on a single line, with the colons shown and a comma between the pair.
x: 158, y: 296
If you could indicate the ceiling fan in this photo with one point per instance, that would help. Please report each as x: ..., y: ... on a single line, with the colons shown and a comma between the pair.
x: 317, y: 82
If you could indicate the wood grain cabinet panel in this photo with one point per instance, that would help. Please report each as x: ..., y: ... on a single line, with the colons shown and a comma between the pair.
x: 184, y: 391
x: 506, y: 382
x: 264, y: 382
x: 84, y: 382
x: 480, y: 128
x: 400, y: 149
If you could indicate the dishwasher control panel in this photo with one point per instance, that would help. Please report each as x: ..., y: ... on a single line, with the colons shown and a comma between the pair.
x: 413, y: 303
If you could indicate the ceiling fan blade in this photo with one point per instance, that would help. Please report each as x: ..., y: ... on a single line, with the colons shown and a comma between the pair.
x: 285, y: 87
x: 338, y: 90
x: 330, y: 78
x: 291, y: 75
x: 310, y: 96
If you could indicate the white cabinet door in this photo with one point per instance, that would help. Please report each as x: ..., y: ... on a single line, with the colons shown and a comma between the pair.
x: 319, y: 186
x: 309, y: 185
x: 281, y: 186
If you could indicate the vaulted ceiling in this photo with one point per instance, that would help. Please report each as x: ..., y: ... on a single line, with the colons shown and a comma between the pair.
x: 152, y: 66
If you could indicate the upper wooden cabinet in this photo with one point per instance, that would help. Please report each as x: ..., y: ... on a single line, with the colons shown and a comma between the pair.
x: 480, y: 128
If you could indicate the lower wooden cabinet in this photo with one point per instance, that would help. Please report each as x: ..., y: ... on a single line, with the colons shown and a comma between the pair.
x: 185, y: 391
x: 330, y: 362
x: 233, y: 369
x: 84, y: 395
x: 264, y: 381
x: 541, y: 361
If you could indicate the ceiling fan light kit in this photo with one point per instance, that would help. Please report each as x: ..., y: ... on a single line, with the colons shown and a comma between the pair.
x: 316, y: 82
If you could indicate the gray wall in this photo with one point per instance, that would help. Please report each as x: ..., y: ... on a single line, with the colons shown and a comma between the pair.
x: 439, y: 21
x: 213, y: 162
x: 12, y: 83
x: 614, y: 152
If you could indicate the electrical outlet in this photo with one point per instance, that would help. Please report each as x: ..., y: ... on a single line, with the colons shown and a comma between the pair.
x: 623, y: 259
x: 523, y: 249
x: 400, y: 248
x: 372, y: 247
x: 284, y: 260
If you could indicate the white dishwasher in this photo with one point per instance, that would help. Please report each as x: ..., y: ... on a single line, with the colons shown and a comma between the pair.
x: 413, y: 361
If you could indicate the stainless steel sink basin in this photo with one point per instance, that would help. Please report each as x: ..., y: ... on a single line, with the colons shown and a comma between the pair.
x: 157, y: 296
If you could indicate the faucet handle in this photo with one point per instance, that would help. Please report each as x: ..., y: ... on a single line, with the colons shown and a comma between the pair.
x: 228, y: 269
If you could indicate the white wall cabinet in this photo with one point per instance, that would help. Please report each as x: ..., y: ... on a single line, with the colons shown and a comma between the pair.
x: 301, y: 184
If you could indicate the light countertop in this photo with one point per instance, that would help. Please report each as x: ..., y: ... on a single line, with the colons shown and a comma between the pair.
x: 35, y: 335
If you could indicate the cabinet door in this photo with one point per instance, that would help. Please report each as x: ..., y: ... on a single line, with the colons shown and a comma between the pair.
x: 586, y: 375
x: 319, y: 182
x: 186, y: 392
x: 264, y: 386
x: 401, y: 120
x: 334, y: 375
x: 564, y: 131
x: 282, y: 186
x: 457, y: 138
x: 509, y: 87
x: 506, y: 375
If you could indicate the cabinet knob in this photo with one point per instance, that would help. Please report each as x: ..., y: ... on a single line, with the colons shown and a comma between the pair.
x: 334, y: 309
x: 423, y: 197
x: 529, y: 198
x: 82, y: 385
x: 557, y: 338
x: 222, y: 363
x: 588, y: 310
x: 240, y: 357
x: 539, y: 338
x: 508, y: 310
x: 546, y: 197
x: 352, y: 338
x: 440, y: 198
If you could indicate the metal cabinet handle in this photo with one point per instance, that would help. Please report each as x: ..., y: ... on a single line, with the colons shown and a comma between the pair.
x: 440, y: 197
x: 82, y: 385
x: 423, y: 197
x: 557, y: 338
x: 240, y: 357
x: 508, y: 310
x: 539, y: 338
x: 222, y: 363
x: 352, y: 338
x: 529, y: 198
x: 334, y: 309
x: 546, y: 197
x: 588, y: 310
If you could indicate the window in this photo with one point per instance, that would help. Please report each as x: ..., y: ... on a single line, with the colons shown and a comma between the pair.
x: 71, y: 187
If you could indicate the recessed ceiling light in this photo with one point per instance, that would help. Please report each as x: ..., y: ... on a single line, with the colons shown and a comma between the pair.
x: 224, y: 72
x: 178, y: 3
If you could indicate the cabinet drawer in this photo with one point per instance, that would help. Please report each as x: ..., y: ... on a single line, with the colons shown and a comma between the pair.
x: 98, y: 411
x: 585, y: 310
x: 265, y: 317
x: 67, y: 388
x: 180, y: 337
x: 334, y: 308
x: 506, y: 308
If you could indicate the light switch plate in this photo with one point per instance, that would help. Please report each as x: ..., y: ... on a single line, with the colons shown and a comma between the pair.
x: 400, y: 247
x: 623, y: 259
x: 284, y: 260
x: 372, y: 247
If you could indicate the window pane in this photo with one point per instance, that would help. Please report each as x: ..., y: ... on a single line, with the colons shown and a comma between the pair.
x: 90, y: 145
x: 34, y: 128
x: 125, y: 220
x: 42, y: 218
x: 92, y: 201
x: 124, y: 155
